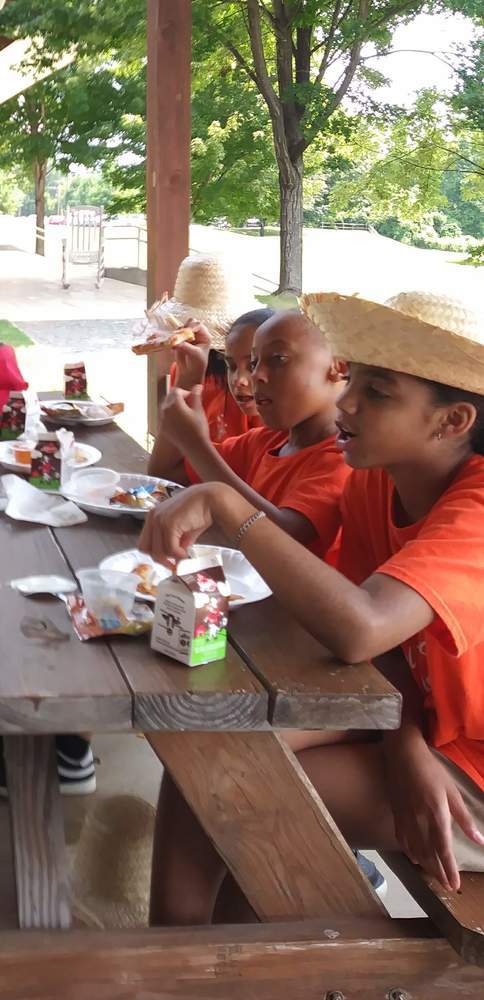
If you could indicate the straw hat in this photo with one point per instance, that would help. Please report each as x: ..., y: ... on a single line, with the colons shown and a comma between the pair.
x: 418, y: 333
x: 111, y: 864
x: 206, y: 290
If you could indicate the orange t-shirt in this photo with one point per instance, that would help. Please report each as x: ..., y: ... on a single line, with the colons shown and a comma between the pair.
x: 442, y: 558
x: 310, y: 481
x: 225, y: 418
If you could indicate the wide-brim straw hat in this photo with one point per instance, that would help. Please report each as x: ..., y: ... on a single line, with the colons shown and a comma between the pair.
x: 425, y: 334
x: 111, y: 864
x: 209, y: 290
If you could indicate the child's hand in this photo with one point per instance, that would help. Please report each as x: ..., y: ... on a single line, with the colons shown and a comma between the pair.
x: 183, y: 419
x: 192, y: 358
x: 175, y: 524
x: 425, y: 800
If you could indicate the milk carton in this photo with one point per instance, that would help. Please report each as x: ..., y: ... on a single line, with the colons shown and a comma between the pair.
x: 190, y: 622
x: 45, y: 471
x: 75, y: 380
x: 12, y: 419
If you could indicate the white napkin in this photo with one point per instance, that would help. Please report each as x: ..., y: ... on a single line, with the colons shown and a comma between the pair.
x: 27, y: 503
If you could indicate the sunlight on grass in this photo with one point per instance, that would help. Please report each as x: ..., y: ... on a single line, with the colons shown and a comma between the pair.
x: 10, y: 334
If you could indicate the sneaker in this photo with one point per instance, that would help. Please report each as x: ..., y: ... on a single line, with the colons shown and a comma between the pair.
x: 375, y: 877
x: 75, y: 766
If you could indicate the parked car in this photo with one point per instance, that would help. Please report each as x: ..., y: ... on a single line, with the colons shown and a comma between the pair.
x: 56, y: 220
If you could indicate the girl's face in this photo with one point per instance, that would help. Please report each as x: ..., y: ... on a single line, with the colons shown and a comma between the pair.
x: 237, y: 358
x: 387, y: 419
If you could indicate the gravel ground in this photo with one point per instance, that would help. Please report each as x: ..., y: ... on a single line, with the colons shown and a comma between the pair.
x: 80, y: 335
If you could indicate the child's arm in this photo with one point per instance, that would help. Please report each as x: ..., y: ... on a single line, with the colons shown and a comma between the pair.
x: 423, y: 796
x: 185, y: 433
x: 356, y: 622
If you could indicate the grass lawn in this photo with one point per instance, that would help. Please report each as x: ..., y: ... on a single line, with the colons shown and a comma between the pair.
x: 10, y: 334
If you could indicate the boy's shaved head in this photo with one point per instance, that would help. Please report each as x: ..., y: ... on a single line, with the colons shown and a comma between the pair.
x: 292, y: 370
x: 293, y: 323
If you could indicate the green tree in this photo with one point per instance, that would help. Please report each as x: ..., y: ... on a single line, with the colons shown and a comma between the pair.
x: 69, y: 118
x: 11, y: 193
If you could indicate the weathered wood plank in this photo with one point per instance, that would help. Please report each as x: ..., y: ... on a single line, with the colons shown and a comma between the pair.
x: 255, y: 802
x: 50, y: 681
x: 458, y: 915
x: 363, y: 961
x: 308, y: 688
x: 167, y: 695
x: 37, y: 832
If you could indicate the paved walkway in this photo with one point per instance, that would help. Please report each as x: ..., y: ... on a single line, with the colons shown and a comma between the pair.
x: 81, y: 321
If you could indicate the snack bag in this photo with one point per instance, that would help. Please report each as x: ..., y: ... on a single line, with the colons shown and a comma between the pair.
x: 13, y: 417
x: 191, y: 612
x: 75, y: 380
x: 45, y: 471
x: 87, y: 626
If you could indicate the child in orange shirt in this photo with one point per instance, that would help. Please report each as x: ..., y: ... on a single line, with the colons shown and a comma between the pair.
x: 209, y: 296
x: 410, y: 592
x: 226, y: 395
x: 290, y: 468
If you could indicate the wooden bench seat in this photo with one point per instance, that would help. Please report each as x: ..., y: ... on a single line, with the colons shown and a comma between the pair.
x: 458, y: 915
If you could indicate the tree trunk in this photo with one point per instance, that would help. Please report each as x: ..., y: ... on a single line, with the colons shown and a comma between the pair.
x: 40, y: 172
x: 291, y: 220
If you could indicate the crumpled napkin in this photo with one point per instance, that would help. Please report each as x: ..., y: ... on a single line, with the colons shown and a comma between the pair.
x: 26, y: 503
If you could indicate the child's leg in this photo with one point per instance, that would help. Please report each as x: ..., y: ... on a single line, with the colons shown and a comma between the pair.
x: 187, y: 871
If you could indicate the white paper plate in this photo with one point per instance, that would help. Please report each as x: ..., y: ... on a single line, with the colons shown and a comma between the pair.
x: 126, y: 482
x: 65, y: 420
x: 244, y: 580
x: 90, y: 456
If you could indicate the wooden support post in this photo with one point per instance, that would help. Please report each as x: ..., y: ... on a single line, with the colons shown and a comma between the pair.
x: 167, y: 159
x: 254, y: 801
x: 38, y: 832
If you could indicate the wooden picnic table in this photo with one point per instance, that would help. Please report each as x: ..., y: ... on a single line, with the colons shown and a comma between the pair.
x: 216, y: 732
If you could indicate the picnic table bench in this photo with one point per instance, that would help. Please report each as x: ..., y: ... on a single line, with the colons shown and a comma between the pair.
x: 323, y: 931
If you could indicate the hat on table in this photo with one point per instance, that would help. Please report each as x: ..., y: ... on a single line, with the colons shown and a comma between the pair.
x: 425, y: 334
x: 111, y: 864
x: 209, y: 291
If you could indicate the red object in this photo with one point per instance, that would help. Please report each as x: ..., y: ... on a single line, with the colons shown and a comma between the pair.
x: 11, y: 379
x: 441, y: 557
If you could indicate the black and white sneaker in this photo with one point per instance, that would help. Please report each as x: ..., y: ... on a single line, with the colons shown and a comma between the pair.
x: 375, y: 877
x: 75, y: 766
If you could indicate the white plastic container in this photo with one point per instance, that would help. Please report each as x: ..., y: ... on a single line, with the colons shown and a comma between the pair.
x: 106, y: 591
x: 94, y: 485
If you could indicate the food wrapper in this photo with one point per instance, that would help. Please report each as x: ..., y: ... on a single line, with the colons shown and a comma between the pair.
x: 87, y: 626
x: 73, y: 412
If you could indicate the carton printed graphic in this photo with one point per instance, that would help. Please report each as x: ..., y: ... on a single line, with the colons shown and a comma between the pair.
x: 12, y: 420
x: 45, y: 472
x: 191, y: 612
x: 75, y: 381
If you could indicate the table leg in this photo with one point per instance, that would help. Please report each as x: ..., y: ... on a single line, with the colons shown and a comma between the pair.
x: 263, y: 815
x: 37, y: 832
